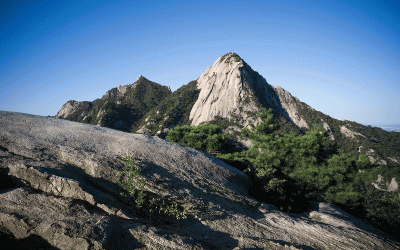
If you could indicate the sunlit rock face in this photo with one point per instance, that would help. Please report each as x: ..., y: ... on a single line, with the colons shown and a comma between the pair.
x: 228, y: 87
x: 231, y: 86
x: 349, y: 133
x: 328, y: 128
x: 67, y: 109
x: 289, y: 107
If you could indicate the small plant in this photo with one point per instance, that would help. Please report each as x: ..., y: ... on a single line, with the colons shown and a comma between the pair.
x: 159, y: 206
x: 134, y: 185
x: 155, y: 208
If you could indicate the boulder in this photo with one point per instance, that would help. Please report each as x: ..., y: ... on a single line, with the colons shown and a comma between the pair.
x: 59, y: 191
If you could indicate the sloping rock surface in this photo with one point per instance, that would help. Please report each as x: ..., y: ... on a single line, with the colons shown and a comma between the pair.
x: 58, y: 191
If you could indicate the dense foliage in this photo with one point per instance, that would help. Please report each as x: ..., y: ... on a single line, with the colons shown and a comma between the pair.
x: 205, y: 137
x: 290, y: 169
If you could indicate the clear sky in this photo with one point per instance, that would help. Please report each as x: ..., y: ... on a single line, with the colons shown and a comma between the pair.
x: 340, y: 57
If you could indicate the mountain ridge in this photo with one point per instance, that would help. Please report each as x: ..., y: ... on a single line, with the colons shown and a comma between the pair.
x: 118, y: 108
x: 232, y: 92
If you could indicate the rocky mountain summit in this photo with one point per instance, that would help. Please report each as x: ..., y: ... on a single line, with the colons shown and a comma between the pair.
x: 59, y: 191
x: 231, y: 87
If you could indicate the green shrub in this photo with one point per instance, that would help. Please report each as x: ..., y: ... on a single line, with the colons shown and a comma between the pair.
x: 133, y: 186
x: 157, y: 209
x: 205, y: 137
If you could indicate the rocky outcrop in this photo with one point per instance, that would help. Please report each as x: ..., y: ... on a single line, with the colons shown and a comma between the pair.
x: 222, y: 91
x: 119, y: 91
x: 59, y: 190
x: 227, y: 88
x: 380, y: 184
x: 230, y: 88
x: 119, y: 108
x: 348, y: 133
x: 327, y: 128
x: 393, y: 185
x: 68, y: 108
x: 370, y: 154
x: 377, y: 184
x: 393, y: 159
x: 289, y: 106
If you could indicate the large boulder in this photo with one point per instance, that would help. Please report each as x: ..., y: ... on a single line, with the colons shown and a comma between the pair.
x: 59, y: 191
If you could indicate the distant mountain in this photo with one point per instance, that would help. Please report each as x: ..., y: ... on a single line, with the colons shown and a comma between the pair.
x: 228, y: 93
x: 390, y: 128
x: 120, y: 108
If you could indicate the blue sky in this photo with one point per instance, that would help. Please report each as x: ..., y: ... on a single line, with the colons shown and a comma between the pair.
x: 340, y: 57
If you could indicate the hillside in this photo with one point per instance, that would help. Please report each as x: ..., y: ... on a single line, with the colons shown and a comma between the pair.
x: 350, y: 136
x: 60, y: 191
x: 120, y: 108
x: 171, y: 111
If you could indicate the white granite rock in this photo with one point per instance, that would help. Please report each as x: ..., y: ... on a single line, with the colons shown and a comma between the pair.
x: 289, y: 105
x: 230, y: 86
x: 327, y: 128
x: 349, y: 133
x: 222, y: 91
x: 68, y: 108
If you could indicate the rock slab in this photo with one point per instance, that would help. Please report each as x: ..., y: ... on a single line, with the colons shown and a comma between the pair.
x: 58, y: 191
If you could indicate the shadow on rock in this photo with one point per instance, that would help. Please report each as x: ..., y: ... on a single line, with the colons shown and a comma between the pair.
x: 32, y: 242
